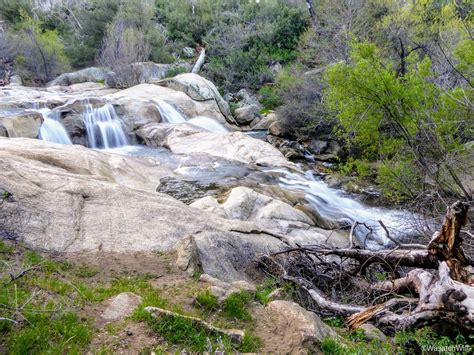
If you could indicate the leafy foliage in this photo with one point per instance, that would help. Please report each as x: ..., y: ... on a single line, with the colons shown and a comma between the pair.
x: 399, y: 119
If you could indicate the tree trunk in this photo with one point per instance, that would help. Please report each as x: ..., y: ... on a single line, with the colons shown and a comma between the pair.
x: 200, y: 62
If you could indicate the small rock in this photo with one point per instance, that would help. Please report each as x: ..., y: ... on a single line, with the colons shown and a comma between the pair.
x: 246, y: 114
x: 275, y: 129
x: 372, y: 332
x: 121, y: 306
x: 300, y: 328
x: 187, y: 258
x: 244, y: 286
x: 213, y: 281
x: 129, y: 332
x: 245, y: 98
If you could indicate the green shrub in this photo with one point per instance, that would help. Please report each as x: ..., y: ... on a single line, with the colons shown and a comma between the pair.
x: 269, y: 97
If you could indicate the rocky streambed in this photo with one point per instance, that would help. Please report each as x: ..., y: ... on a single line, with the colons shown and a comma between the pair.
x: 162, y: 166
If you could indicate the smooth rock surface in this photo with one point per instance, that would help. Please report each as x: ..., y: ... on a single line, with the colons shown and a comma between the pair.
x: 25, y: 124
x: 81, y: 200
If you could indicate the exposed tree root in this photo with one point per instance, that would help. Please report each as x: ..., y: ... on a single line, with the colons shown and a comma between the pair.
x: 424, y: 286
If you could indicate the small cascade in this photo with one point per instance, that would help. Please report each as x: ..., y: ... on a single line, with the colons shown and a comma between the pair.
x: 52, y: 130
x: 332, y: 204
x: 104, y: 128
x: 208, y: 124
x: 168, y: 113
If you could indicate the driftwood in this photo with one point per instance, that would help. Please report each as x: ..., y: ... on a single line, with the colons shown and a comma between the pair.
x: 428, y: 286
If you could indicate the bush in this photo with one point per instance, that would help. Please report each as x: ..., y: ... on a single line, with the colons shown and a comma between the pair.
x: 303, y: 111
x: 40, y: 54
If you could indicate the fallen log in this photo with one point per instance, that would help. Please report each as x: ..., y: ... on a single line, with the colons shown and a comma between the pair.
x: 440, y: 287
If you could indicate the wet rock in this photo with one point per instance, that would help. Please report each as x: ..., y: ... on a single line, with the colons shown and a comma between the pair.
x: 136, y: 95
x: 26, y: 124
x: 198, y: 89
x: 120, y: 307
x: 246, y: 114
x: 183, y: 190
x: 74, y: 125
x: 300, y: 328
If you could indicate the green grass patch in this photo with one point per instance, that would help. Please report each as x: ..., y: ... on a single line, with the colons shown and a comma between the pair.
x: 250, y: 343
x: 207, y: 301
x: 60, y: 334
x: 235, y: 306
x: 86, y: 271
x: 182, y: 331
x: 264, y: 290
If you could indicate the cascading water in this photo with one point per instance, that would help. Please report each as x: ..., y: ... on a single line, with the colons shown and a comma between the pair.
x: 168, y: 113
x: 330, y: 204
x: 104, y: 128
x: 208, y: 124
x: 52, y: 129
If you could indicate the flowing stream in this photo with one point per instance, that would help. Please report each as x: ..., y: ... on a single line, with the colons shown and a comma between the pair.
x: 333, y: 205
x: 170, y: 115
x: 104, y: 128
x: 52, y: 130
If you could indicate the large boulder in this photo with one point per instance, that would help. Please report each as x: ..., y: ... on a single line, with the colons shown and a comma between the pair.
x: 246, y: 204
x: 92, y: 74
x: 245, y: 115
x: 142, y: 72
x: 80, y: 200
x: 236, y: 146
x: 25, y: 124
x: 246, y: 98
x: 133, y: 99
x: 198, y: 89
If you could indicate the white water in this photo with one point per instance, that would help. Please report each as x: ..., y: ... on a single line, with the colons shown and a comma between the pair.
x: 52, y: 130
x: 331, y: 204
x: 168, y: 113
x: 208, y: 124
x: 104, y: 128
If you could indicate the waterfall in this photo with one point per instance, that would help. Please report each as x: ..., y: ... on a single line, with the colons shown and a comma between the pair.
x: 208, y: 124
x: 104, y: 128
x: 52, y: 130
x: 168, y: 113
x: 331, y: 204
